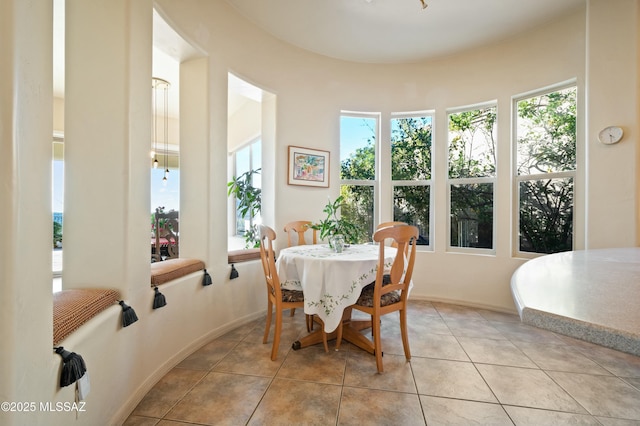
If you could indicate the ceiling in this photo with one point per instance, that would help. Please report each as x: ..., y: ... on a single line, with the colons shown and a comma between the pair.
x: 393, y: 31
x: 369, y: 31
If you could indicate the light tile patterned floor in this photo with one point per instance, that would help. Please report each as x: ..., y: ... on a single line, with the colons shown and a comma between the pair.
x: 469, y: 366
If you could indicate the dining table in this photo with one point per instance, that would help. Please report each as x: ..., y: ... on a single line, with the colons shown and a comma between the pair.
x: 331, y: 282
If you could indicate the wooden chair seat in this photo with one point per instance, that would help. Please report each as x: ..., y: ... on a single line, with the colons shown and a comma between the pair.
x: 366, y: 298
x: 292, y: 296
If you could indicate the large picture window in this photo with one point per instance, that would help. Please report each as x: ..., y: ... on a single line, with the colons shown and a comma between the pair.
x: 546, y: 168
x: 472, y: 173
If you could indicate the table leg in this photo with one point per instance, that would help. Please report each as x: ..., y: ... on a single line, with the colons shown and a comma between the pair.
x: 350, y: 333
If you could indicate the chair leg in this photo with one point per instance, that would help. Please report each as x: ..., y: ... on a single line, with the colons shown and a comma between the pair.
x: 377, y: 344
x: 309, y: 321
x: 276, y: 335
x: 268, y: 326
x: 339, y: 336
x: 293, y: 311
x: 405, y: 335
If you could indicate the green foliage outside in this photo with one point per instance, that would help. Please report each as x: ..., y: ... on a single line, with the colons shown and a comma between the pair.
x: 547, y: 144
x: 57, y: 233
x: 472, y: 154
x: 248, y: 204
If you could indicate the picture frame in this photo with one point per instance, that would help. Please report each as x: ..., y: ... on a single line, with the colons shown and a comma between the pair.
x: 308, y: 167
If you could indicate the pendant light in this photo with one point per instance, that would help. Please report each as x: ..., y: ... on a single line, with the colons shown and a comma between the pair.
x: 161, y: 93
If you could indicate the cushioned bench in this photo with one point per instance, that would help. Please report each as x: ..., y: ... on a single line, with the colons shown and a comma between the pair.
x: 167, y: 270
x: 72, y: 308
x: 237, y: 256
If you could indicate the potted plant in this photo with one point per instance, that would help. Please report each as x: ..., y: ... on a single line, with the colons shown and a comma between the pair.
x: 333, y: 226
x: 249, y: 203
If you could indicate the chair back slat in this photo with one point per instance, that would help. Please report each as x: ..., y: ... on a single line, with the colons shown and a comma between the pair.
x: 267, y: 256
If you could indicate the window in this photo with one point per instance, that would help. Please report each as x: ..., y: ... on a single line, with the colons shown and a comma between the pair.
x: 358, y: 136
x: 472, y: 173
x: 411, y: 138
x: 545, y: 170
x: 247, y: 165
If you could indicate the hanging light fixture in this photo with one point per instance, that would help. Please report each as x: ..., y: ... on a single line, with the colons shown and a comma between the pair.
x: 424, y: 5
x: 161, y: 92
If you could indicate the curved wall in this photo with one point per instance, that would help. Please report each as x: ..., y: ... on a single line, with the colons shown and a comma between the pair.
x: 311, y: 91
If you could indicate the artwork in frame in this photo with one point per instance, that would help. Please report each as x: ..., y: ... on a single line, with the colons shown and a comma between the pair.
x: 308, y: 167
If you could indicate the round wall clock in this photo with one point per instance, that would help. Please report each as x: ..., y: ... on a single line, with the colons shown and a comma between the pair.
x: 610, y: 135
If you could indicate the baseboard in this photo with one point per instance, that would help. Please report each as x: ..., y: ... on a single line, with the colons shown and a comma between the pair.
x: 466, y: 304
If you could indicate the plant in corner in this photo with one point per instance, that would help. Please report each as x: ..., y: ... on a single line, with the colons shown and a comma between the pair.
x: 333, y: 225
x: 248, y: 203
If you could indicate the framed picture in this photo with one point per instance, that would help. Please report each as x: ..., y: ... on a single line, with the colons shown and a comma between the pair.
x: 308, y: 167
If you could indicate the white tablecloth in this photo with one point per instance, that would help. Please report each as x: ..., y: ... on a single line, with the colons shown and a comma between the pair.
x: 330, y: 281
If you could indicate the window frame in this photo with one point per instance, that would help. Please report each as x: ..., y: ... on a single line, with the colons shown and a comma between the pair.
x: 375, y: 182
x: 517, y: 179
x: 493, y: 180
x: 393, y: 183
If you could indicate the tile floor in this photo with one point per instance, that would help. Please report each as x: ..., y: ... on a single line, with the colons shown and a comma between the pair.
x: 469, y: 366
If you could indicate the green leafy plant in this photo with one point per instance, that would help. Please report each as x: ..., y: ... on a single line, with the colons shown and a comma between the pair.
x: 334, y: 225
x: 249, y: 203
x: 57, y: 234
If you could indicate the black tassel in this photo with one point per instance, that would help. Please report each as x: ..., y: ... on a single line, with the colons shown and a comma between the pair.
x: 73, y: 366
x: 158, y: 299
x: 206, y: 279
x: 128, y: 314
x: 234, y: 272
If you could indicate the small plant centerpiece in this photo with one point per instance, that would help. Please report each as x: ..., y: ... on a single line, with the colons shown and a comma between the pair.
x: 249, y: 204
x: 334, y: 228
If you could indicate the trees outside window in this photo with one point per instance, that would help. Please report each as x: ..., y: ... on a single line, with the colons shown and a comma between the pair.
x: 472, y: 173
x: 546, y: 168
x: 358, y: 138
x: 411, y: 141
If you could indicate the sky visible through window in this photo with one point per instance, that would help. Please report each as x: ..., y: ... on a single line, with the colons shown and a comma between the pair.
x: 167, y: 196
x: 57, y: 201
x: 354, y: 134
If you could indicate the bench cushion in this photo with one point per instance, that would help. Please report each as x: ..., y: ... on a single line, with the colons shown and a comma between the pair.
x: 170, y: 269
x: 237, y: 256
x: 72, y: 308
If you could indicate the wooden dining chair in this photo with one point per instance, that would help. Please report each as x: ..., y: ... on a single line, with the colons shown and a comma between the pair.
x: 281, y: 299
x: 300, y: 228
x: 389, y: 292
